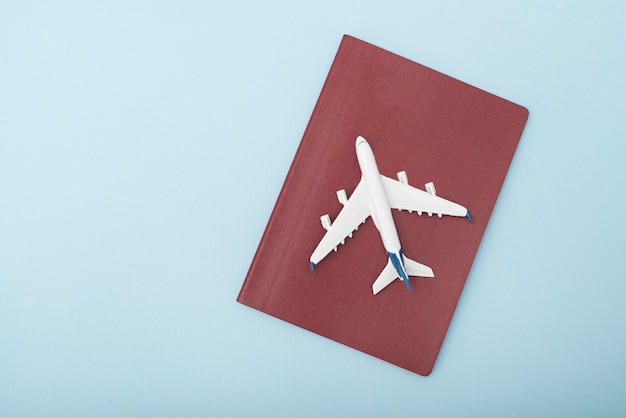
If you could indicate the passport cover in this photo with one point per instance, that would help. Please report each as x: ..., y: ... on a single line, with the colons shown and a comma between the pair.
x: 416, y: 119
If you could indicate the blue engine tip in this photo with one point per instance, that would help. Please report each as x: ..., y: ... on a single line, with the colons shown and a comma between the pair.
x: 312, y: 266
x: 468, y: 216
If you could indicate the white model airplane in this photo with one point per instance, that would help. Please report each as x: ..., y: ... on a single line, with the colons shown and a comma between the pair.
x: 374, y: 196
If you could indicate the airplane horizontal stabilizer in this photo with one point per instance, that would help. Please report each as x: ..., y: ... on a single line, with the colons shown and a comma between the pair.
x: 413, y: 268
x: 388, y: 275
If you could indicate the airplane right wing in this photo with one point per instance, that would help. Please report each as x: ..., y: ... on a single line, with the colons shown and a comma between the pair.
x: 355, y: 212
x: 404, y: 197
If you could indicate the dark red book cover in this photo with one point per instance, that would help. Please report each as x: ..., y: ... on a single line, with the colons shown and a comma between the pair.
x: 435, y: 128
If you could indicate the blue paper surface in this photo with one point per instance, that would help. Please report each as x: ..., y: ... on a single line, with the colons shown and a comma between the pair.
x: 142, y: 147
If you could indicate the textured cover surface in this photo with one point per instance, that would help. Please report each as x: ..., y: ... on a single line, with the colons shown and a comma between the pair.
x: 434, y: 127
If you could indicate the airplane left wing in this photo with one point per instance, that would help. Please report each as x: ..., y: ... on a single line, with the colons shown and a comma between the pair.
x: 405, y: 197
x: 355, y: 212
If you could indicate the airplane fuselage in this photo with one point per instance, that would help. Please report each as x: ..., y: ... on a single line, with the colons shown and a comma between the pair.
x: 380, y: 208
x: 379, y: 204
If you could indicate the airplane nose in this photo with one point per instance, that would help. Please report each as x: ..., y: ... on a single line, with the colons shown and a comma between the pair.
x: 360, y: 140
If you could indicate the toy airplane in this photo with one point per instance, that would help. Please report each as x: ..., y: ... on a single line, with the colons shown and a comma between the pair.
x: 374, y: 196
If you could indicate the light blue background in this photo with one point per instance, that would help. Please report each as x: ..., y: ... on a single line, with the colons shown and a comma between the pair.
x: 143, y: 145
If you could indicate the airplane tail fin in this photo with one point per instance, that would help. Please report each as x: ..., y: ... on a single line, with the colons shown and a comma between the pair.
x: 389, y: 273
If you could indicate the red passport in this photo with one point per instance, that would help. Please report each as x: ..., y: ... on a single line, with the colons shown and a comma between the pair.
x: 435, y: 128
